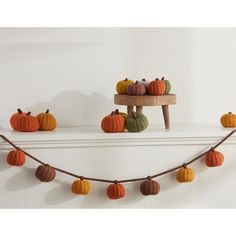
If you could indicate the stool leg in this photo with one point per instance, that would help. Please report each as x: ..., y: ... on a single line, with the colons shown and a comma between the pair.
x: 129, y: 109
x: 165, y: 111
x: 139, y: 109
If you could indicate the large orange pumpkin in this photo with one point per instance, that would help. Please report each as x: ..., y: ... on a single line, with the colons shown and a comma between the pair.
x: 47, y: 121
x: 113, y: 123
x: 185, y: 175
x: 15, y: 117
x: 45, y: 173
x: 28, y: 123
x: 82, y: 187
x: 214, y: 158
x: 115, y: 191
x: 228, y: 120
x: 16, y: 158
x: 156, y: 87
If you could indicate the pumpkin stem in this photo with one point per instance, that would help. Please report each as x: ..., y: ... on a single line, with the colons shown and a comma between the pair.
x: 47, y: 111
x: 144, y: 80
x: 134, y: 114
x: 230, y: 112
x: 28, y: 113
x: 115, y: 182
x: 136, y: 82
x: 149, y: 177
x: 117, y: 111
x: 19, y: 111
x: 212, y: 149
x: 185, y: 165
x: 157, y: 78
x: 81, y: 177
x: 163, y: 78
x: 126, y: 79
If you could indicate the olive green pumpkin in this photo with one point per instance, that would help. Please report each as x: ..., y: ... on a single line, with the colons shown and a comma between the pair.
x: 167, y: 85
x: 136, y: 122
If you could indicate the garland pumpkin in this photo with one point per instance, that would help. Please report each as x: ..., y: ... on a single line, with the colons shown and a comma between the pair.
x: 214, y: 158
x: 81, y: 187
x: 16, y: 158
x: 228, y: 120
x: 136, y: 122
x: 122, y: 85
x: 15, y: 117
x: 47, y: 121
x: 167, y: 85
x: 136, y: 89
x: 156, y: 87
x: 149, y: 187
x: 115, y: 191
x: 113, y: 123
x: 27, y: 123
x: 45, y: 173
x: 185, y: 175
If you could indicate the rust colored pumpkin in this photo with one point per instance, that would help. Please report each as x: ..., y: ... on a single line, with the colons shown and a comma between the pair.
x: 81, y: 187
x: 16, y: 158
x: 122, y: 85
x: 136, y: 89
x: 149, y: 187
x: 156, y: 87
x: 115, y: 191
x: 228, y: 120
x: 45, y: 173
x: 28, y: 123
x: 47, y: 121
x: 113, y: 123
x: 15, y: 117
x: 214, y: 158
x: 185, y: 175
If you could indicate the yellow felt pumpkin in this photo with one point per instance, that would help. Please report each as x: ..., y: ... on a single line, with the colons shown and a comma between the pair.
x: 185, y: 175
x: 82, y: 187
x: 122, y: 85
x: 228, y: 120
x: 47, y: 121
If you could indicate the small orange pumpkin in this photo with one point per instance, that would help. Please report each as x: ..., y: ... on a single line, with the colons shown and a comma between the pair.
x: 15, y: 117
x: 113, y: 123
x: 228, y: 120
x: 82, y: 187
x: 47, y: 121
x: 185, y: 175
x: 45, y: 173
x: 115, y: 191
x: 214, y: 158
x: 28, y: 123
x: 16, y: 158
x: 156, y: 87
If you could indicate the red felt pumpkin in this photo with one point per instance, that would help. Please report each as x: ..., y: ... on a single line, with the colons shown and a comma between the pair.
x: 28, y: 123
x: 214, y: 158
x: 136, y: 89
x: 45, y: 173
x: 15, y: 117
x: 115, y: 191
x: 16, y: 158
x: 156, y: 87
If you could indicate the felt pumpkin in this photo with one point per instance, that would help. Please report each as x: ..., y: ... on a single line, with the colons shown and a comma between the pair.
x: 82, y: 187
x: 228, y: 120
x: 124, y: 115
x: 122, y: 85
x: 156, y: 87
x: 149, y: 187
x: 45, y: 173
x: 47, y: 121
x: 185, y: 175
x: 145, y: 82
x: 15, y: 117
x: 113, y: 123
x: 16, y: 158
x: 136, y: 122
x: 27, y: 123
x: 214, y: 158
x: 167, y: 85
x: 136, y: 89
x: 115, y: 191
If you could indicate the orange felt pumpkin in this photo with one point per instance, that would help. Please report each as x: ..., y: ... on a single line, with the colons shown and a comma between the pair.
x: 82, y: 187
x: 45, y: 173
x: 16, y: 158
x: 47, y: 121
x: 214, y: 158
x: 115, y: 191
x: 15, y: 117
x: 156, y: 87
x: 27, y: 123
x: 113, y: 123
x: 228, y: 120
x: 185, y: 175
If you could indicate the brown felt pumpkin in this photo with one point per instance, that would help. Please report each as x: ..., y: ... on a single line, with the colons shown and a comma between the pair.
x: 82, y: 187
x: 15, y: 117
x: 28, y: 123
x: 156, y: 87
x: 214, y: 158
x: 185, y: 175
x: 122, y: 85
x: 136, y: 89
x: 228, y: 120
x: 45, y: 173
x: 115, y: 191
x: 16, y: 158
x: 149, y: 187
x: 47, y: 121
x: 113, y: 123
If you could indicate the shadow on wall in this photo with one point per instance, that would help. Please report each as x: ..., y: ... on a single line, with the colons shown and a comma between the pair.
x: 73, y: 108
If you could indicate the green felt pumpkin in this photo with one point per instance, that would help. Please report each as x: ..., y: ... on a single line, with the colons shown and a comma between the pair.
x: 167, y: 85
x: 136, y: 122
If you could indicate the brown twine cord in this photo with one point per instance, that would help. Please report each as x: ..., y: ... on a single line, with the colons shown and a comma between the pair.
x: 123, y: 180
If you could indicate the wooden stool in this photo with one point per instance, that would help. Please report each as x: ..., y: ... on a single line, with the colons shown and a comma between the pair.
x: 147, y: 100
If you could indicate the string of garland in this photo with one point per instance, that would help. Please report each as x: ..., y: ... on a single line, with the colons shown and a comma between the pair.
x: 116, y: 190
